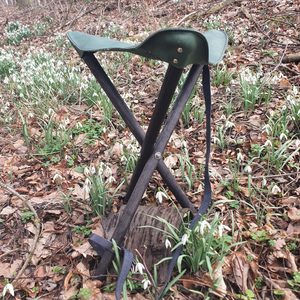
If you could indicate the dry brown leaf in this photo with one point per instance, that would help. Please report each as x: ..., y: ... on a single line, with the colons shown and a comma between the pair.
x: 30, y: 227
x: 293, y: 228
x: 3, y: 197
x: 294, y: 214
x: 79, y: 141
x: 94, y: 286
x: 79, y: 192
x: 288, y: 294
x: 171, y: 161
x: 54, y: 197
x: 83, y: 270
x: 117, y: 149
x: 279, y: 244
x: 84, y: 250
x: 41, y: 272
x: 41, y: 250
x: 221, y: 287
x: 290, y: 201
x: 7, y: 270
x: 284, y: 84
x: 8, y: 210
x: 241, y: 268
x: 70, y: 293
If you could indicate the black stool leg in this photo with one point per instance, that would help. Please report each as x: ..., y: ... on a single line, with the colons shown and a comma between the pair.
x: 163, y: 102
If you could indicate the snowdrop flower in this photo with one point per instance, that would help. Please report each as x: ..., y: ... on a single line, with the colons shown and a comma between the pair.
x: 57, y: 178
x: 184, y: 239
x: 267, y: 128
x: 229, y: 124
x: 86, y: 171
x: 160, y: 196
x: 276, y: 190
x: 146, y: 283
x: 264, y: 182
x: 204, y: 224
x: 92, y: 170
x: 221, y: 228
x: 248, y: 169
x: 140, y: 268
x: 168, y: 244
x: 268, y: 143
x: 283, y: 137
x: 8, y: 287
x: 240, y: 157
x: 110, y: 179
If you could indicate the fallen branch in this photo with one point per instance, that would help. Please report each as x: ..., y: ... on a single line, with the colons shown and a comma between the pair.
x: 210, y: 11
x: 275, y: 175
x: 294, y: 57
x: 38, y: 228
x: 8, y: 252
x: 280, y: 61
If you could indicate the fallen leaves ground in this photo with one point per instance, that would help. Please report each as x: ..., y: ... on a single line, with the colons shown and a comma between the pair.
x: 265, y: 217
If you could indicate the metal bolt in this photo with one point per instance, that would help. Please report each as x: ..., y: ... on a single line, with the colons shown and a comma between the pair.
x: 179, y: 50
x: 157, y: 155
x: 175, y: 61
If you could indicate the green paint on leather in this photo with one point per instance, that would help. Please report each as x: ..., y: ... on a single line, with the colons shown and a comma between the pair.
x: 179, y: 47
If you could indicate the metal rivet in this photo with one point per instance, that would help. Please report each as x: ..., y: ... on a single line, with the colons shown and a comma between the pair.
x: 175, y: 61
x: 157, y: 155
x: 179, y: 50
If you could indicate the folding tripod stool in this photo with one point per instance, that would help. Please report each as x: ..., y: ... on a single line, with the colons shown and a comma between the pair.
x: 179, y: 48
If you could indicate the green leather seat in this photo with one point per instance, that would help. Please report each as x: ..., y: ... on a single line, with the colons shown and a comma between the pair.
x: 178, y: 47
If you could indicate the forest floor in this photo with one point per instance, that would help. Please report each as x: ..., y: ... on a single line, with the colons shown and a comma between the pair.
x: 64, y: 149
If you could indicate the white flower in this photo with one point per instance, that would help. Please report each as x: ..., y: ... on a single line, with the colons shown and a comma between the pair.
x: 221, y: 229
x: 8, y: 287
x: 268, y: 143
x: 240, y: 157
x: 203, y: 225
x: 92, y: 170
x: 86, y: 171
x: 283, y: 136
x: 110, y: 179
x: 276, y: 190
x: 57, y: 178
x: 184, y: 239
x: 146, y: 283
x: 229, y: 124
x: 140, y: 268
x: 248, y: 169
x: 160, y: 195
x: 168, y: 244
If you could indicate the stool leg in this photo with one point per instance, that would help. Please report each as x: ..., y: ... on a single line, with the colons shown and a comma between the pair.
x: 163, y: 102
x: 134, y: 126
x: 142, y: 183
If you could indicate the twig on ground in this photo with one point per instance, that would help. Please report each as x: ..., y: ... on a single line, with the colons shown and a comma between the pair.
x: 8, y: 252
x: 37, y: 223
x: 280, y: 61
x: 276, y: 175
